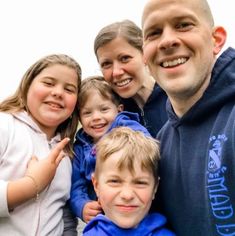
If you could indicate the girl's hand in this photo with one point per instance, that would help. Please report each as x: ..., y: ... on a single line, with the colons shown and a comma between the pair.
x: 38, y: 175
x: 43, y: 171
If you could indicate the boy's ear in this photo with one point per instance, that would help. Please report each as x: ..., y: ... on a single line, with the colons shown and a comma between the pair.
x: 95, y: 184
x: 219, y: 36
x: 120, y: 107
x: 155, y: 189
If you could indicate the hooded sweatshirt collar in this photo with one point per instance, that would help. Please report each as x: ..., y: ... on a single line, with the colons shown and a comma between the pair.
x: 220, y: 90
x: 24, y: 117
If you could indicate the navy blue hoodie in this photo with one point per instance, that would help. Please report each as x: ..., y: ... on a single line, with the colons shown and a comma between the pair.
x: 151, y: 225
x: 153, y: 115
x: 82, y: 190
x: 197, y: 166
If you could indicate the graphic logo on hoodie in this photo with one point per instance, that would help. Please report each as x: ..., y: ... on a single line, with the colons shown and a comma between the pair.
x: 214, y: 164
x: 218, y: 193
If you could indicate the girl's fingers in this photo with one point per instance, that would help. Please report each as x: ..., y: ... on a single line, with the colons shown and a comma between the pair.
x: 57, y: 152
x: 32, y: 159
x: 59, y: 158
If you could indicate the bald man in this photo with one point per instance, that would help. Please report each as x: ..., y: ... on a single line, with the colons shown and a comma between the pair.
x: 181, y: 47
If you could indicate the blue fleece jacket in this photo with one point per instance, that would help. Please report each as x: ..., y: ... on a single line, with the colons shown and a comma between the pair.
x: 82, y: 190
x: 151, y: 225
x: 197, y: 167
x: 153, y: 115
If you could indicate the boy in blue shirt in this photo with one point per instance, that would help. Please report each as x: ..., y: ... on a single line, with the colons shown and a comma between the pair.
x: 99, y: 112
x: 125, y: 181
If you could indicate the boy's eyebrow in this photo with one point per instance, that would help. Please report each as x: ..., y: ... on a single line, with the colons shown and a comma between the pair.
x: 146, y: 175
x: 114, y: 175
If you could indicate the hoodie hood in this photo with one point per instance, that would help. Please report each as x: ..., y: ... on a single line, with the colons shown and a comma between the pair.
x: 220, y: 90
x: 123, y: 118
x: 130, y: 120
x: 152, y: 224
x: 24, y: 117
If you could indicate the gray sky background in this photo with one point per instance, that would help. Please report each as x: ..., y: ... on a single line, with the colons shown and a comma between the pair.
x: 31, y: 29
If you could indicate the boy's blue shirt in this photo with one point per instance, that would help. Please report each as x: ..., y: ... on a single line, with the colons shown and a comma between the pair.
x: 151, y: 225
x: 82, y: 190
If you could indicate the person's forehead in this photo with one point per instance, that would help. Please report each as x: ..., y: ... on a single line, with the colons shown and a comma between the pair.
x: 158, y: 9
x: 154, y: 5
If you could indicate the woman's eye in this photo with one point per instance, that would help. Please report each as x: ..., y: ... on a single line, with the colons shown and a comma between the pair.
x: 153, y: 35
x: 105, y: 65
x: 125, y: 58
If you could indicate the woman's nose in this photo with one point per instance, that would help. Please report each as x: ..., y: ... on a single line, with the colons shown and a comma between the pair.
x: 117, y: 69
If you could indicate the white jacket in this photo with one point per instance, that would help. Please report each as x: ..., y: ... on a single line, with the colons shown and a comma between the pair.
x: 20, y: 139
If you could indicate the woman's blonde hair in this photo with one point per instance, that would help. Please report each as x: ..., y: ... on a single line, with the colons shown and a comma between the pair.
x: 125, y: 29
x: 18, y: 101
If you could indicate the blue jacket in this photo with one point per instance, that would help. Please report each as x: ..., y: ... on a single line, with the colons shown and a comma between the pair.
x: 151, y: 225
x: 82, y: 190
x: 153, y: 115
x: 197, y: 166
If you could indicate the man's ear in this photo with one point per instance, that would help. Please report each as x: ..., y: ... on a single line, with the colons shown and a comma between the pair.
x: 219, y: 35
x: 95, y: 184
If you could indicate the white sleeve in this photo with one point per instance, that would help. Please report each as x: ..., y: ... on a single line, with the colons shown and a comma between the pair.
x: 4, y: 138
x: 5, y: 120
x: 3, y: 199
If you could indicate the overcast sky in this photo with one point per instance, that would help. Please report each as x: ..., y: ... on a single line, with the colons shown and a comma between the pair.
x: 31, y: 29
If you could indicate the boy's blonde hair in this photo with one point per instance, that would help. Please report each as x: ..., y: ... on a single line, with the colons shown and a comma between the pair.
x: 96, y: 83
x: 18, y: 101
x: 135, y: 146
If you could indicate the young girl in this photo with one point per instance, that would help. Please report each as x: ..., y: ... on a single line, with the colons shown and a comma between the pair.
x: 125, y: 181
x: 100, y: 111
x: 35, y: 174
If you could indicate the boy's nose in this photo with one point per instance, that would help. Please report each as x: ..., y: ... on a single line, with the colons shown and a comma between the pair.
x: 127, y: 193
